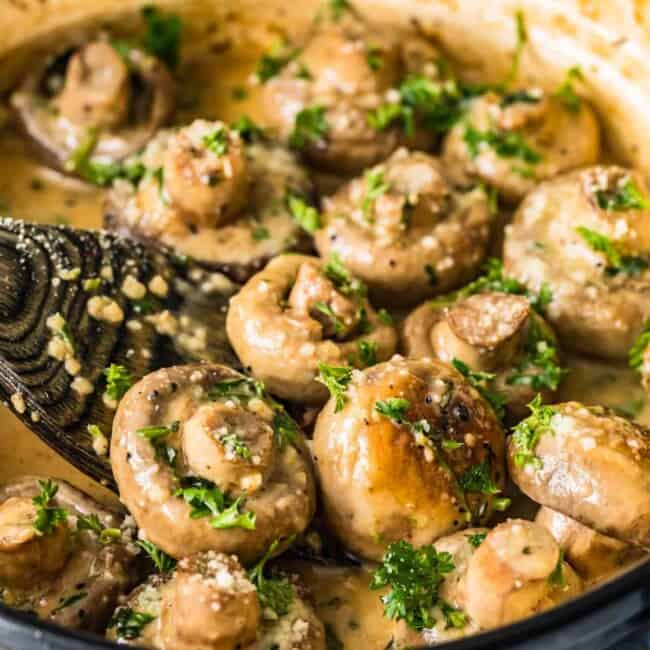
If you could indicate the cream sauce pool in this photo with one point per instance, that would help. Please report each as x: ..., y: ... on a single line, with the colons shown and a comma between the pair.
x: 30, y: 190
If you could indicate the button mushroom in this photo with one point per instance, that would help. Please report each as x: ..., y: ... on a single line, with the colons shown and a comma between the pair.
x: 496, y: 334
x: 514, y: 141
x: 587, y: 464
x: 209, y: 195
x: 406, y: 450
x: 62, y: 556
x: 405, y: 231
x: 204, y: 460
x: 585, y: 236
x: 122, y: 97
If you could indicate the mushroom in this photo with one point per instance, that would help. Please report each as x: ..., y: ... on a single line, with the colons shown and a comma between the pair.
x: 299, y: 313
x: 514, y: 141
x: 407, y: 450
x: 210, y: 603
x: 62, y: 556
x: 405, y: 231
x: 120, y: 97
x: 498, y: 334
x: 595, y: 557
x: 204, y: 460
x: 327, y: 100
x: 212, y: 197
x: 585, y: 236
x: 587, y: 464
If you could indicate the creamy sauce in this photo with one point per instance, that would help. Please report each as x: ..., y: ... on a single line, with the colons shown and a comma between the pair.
x: 28, y: 189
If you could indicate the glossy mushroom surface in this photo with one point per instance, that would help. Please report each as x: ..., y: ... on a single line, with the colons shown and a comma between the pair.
x: 410, y: 452
x: 405, y: 230
x: 299, y: 313
x: 62, y: 555
x: 585, y: 235
x: 204, y: 460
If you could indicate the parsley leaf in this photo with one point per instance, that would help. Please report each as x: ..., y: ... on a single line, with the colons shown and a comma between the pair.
x: 528, y: 432
x: 163, y: 37
x: 70, y: 600
x: 47, y: 517
x: 626, y: 196
x: 217, y: 141
x: 385, y: 317
x: 394, y: 408
x: 272, y: 63
x: 476, y: 539
x: 336, y: 272
x: 92, y: 522
x: 285, y: 429
x: 373, y: 57
x: 522, y: 39
x: 566, y: 92
x: 367, y: 352
x: 327, y: 311
x: 158, y: 431
x: 234, y: 445
x: 478, y: 479
x: 118, y: 381
x: 479, y: 380
x: 237, y: 388
x: 506, y: 144
x: 375, y: 187
x: 617, y: 262
x: 338, y: 7
x: 247, y: 129
x: 309, y: 127
x: 274, y: 593
x: 129, y: 623
x: 635, y: 355
x: 414, y: 577
x: 336, y: 379
x: 557, y: 577
x: 305, y: 215
x: 163, y: 562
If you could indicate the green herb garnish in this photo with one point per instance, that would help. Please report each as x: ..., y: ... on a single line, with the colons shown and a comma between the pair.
x: 70, y: 600
x: 310, y: 127
x: 247, y: 129
x: 345, y: 283
x: 275, y: 594
x: 367, y: 352
x: 480, y: 381
x: 285, y: 429
x: 522, y: 39
x: 158, y: 431
x: 338, y: 7
x: 118, y: 381
x: 476, y: 540
x: 385, y: 317
x: 163, y: 36
x: 375, y: 187
x: 326, y: 310
x: 528, y: 433
x: 626, y: 196
x: 567, y: 94
x: 305, y: 215
x: 92, y: 522
x: 506, y: 144
x: 373, y: 57
x: 272, y: 63
x: 237, y: 388
x: 129, y: 623
x: 557, y: 577
x: 637, y: 351
x: 48, y: 517
x: 478, y: 479
x: 617, y: 262
x: 163, y: 562
x: 217, y: 141
x: 336, y: 379
x: 233, y: 444
x: 394, y: 408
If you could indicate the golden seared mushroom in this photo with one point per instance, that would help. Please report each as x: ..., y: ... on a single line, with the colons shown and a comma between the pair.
x: 594, y: 556
x: 586, y: 236
x: 514, y: 141
x: 209, y: 195
x: 299, y: 313
x: 62, y: 555
x: 495, y: 338
x: 94, y: 105
x: 406, y: 450
x: 204, y: 460
x: 405, y: 231
x: 210, y: 603
x: 587, y: 464
x: 353, y: 94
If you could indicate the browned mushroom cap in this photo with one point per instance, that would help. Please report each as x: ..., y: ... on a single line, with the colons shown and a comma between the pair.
x: 204, y: 460
x: 211, y: 197
x: 63, y: 556
x: 586, y: 236
x: 595, y: 557
x: 516, y: 571
x: 405, y: 231
x: 298, y: 313
x: 411, y: 451
x: 345, y: 72
x: 588, y: 464
x: 513, y: 142
x: 123, y: 97
x: 490, y: 332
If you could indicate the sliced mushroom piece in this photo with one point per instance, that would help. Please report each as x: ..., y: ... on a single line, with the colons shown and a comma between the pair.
x: 408, y: 451
x: 587, y: 464
x: 595, y: 557
x: 299, y: 313
x: 204, y: 460
x: 585, y: 235
x: 514, y: 141
x: 62, y: 555
x: 405, y: 231
x: 212, y: 197
x: 121, y: 97
x: 210, y: 603
x: 495, y: 333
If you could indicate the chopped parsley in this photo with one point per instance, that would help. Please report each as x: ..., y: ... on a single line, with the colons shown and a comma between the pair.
x: 635, y: 355
x: 309, y: 127
x: 285, y: 429
x: 506, y: 144
x: 48, y: 517
x: 617, y: 262
x: 385, y: 317
x: 129, y: 623
x: 305, y: 215
x: 217, y: 141
x: 480, y: 381
x: 260, y: 233
x: 528, y: 433
x: 373, y: 57
x: 519, y: 97
x: 394, y: 408
x: 414, y: 577
x: 91, y: 522
x: 629, y: 409
x: 522, y: 39
x: 207, y: 500
x: 163, y: 562
x: 275, y: 594
x: 367, y: 352
x: 626, y: 196
x: 375, y: 187
x: 157, y: 432
x: 336, y: 379
x: 566, y: 93
x: 557, y: 577
x: 478, y: 479
x: 338, y: 8
x: 234, y: 445
x: 336, y: 272
x: 236, y: 389
x: 163, y: 36
x: 476, y: 539
x: 70, y: 600
x: 118, y: 381
x: 247, y: 129
x: 326, y: 310
x: 272, y: 63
